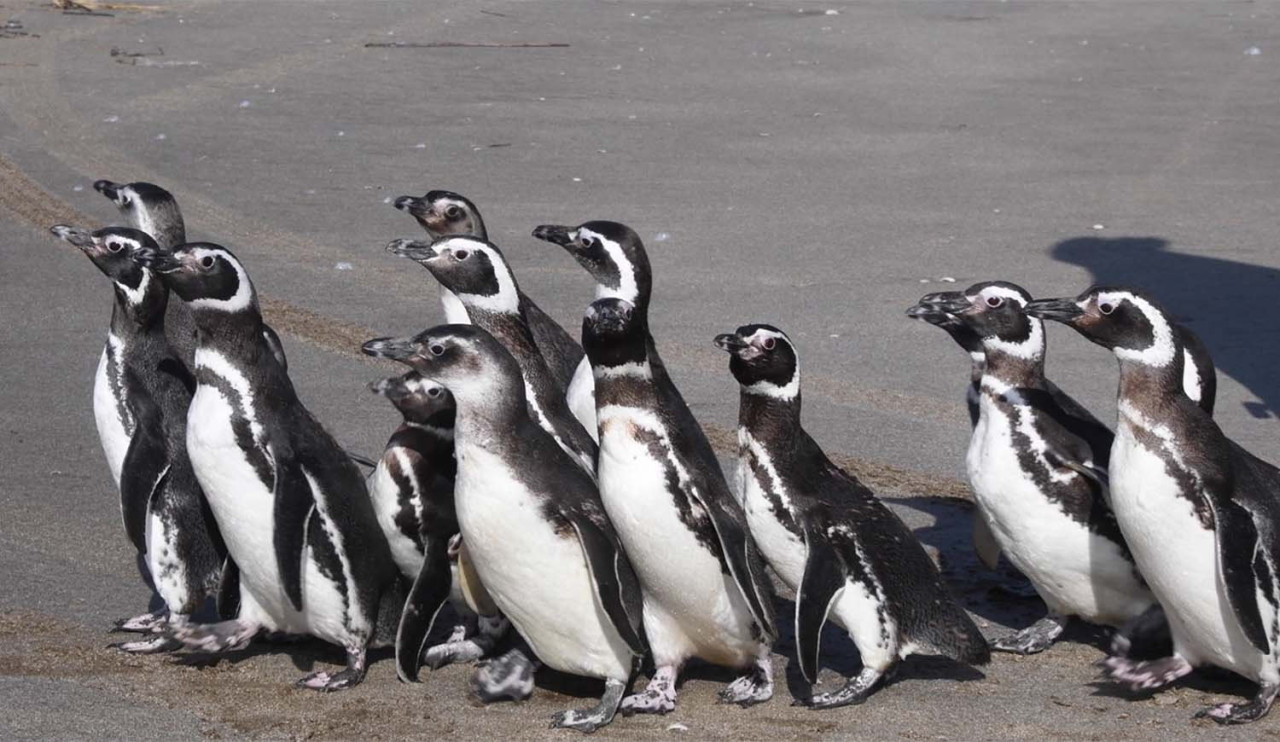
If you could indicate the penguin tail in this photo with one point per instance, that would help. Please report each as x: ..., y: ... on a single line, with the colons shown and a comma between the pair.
x: 951, y: 633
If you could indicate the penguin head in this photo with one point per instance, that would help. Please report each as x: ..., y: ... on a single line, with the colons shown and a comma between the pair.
x: 145, y: 206
x: 763, y: 360
x: 926, y: 310
x: 993, y: 310
x: 1124, y: 320
x: 613, y: 335
x: 113, y: 251
x: 205, y: 275
x: 472, y: 268
x: 418, y: 399
x: 443, y: 213
x: 611, y: 252
x: 465, y: 359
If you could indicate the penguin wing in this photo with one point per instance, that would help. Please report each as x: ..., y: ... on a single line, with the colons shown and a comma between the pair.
x: 429, y: 593
x: 146, y: 465
x: 274, y: 345
x: 561, y: 352
x: 229, y: 591
x: 294, y: 502
x: 615, y: 582
x: 820, y: 585
x: 1081, y: 423
x: 1194, y: 348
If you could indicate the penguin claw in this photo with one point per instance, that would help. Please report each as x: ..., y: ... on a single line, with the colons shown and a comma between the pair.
x: 146, y: 623
x: 154, y: 644
x: 505, y: 678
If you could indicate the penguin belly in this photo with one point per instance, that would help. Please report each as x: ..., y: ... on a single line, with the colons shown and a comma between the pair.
x: 114, y: 430
x: 536, y: 574
x: 1076, y: 572
x: 581, y: 397
x: 168, y: 571
x: 244, y: 507
x: 692, y: 605
x: 1179, y: 558
x: 388, y: 502
x: 782, y: 549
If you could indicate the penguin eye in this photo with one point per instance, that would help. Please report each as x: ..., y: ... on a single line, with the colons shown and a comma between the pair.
x: 114, y: 246
x: 436, y: 349
x: 770, y: 343
x: 994, y: 302
x: 207, y: 262
x: 435, y: 392
x: 453, y: 212
x: 1106, y: 308
x: 461, y: 254
x: 590, y: 242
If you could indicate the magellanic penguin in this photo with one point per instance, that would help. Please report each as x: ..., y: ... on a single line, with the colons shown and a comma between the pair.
x: 412, y: 491
x: 479, y: 275
x: 830, y: 538
x: 140, y: 399
x: 532, y: 519
x: 1039, y: 475
x: 445, y: 213
x: 152, y: 209
x: 706, y: 593
x: 303, y: 539
x: 1200, y: 513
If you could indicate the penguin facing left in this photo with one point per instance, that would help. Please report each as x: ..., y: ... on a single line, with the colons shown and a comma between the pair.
x: 830, y: 538
x: 293, y: 509
x: 141, y: 397
x: 149, y: 208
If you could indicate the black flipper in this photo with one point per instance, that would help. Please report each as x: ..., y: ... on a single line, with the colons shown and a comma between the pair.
x: 229, y: 591
x: 293, y: 505
x: 1236, y: 556
x: 428, y: 596
x: 146, y: 464
x: 274, y: 345
x: 743, y: 561
x: 822, y: 581
x: 617, y: 587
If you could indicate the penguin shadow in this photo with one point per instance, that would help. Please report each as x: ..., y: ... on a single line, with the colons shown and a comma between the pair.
x: 1229, y: 304
x: 1209, y: 680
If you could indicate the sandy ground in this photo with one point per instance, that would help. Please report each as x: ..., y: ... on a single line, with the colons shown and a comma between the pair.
x: 784, y: 163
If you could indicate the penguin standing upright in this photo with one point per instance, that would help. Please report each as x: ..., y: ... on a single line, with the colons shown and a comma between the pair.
x: 141, y: 395
x: 444, y: 214
x: 478, y: 275
x: 300, y: 529
x: 706, y: 593
x: 412, y: 491
x: 1039, y: 476
x: 531, y: 518
x: 828, y: 537
x: 149, y: 208
x: 1201, y: 514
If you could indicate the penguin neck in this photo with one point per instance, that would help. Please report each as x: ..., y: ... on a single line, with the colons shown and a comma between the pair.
x: 170, y: 232
x: 139, y: 309
x: 1011, y: 369
x: 490, y: 415
x: 1149, y: 388
x: 233, y: 334
x: 624, y: 375
x: 770, y: 419
x: 636, y: 291
x: 424, y: 434
x: 511, y: 328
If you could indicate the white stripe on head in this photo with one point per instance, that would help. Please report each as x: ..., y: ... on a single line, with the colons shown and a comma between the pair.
x: 507, y: 300
x: 626, y: 288
x: 1030, y: 349
x: 128, y: 245
x: 768, y: 388
x: 242, y: 299
x: 1161, y: 351
x: 140, y: 216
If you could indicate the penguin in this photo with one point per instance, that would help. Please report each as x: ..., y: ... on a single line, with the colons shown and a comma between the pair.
x: 616, y: 258
x: 706, y: 594
x: 828, y: 536
x: 445, y: 213
x: 412, y: 491
x: 141, y: 394
x: 303, y: 540
x: 152, y: 209
x: 1199, y: 511
x: 1039, y: 476
x: 479, y: 276
x: 531, y: 519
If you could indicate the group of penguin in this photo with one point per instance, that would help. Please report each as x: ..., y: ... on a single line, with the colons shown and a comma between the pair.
x: 566, y: 489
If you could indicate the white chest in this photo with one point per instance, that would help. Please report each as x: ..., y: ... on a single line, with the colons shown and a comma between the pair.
x: 387, y: 497
x: 114, y: 431
x: 784, y: 551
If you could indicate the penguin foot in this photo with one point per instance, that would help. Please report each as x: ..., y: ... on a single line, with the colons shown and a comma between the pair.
x: 589, y: 720
x: 659, y: 697
x: 1034, y: 639
x: 154, y: 644
x: 224, y: 636
x: 1145, y: 637
x: 348, y: 678
x: 1242, y: 713
x: 147, y: 623
x: 463, y: 650
x: 1147, y: 675
x: 506, y: 678
x: 756, y: 686
x: 855, y: 691
x: 459, y: 634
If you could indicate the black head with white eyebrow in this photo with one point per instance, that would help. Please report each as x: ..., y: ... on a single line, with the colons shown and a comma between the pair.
x: 1124, y: 320
x: 444, y: 213
x: 206, y: 276
x: 612, y: 253
x: 763, y: 360
x: 472, y: 268
x: 419, y: 400
x: 993, y: 310
x: 112, y: 250
x: 476, y: 369
x: 149, y: 208
x: 926, y: 311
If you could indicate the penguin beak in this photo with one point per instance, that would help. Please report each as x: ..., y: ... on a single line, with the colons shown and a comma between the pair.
x: 395, y: 349
x: 730, y: 343
x: 78, y: 236
x: 411, y: 205
x: 927, y: 313
x: 108, y: 189
x: 415, y: 250
x: 155, y: 260
x: 1058, y: 310
x: 946, y: 302
x: 554, y: 233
